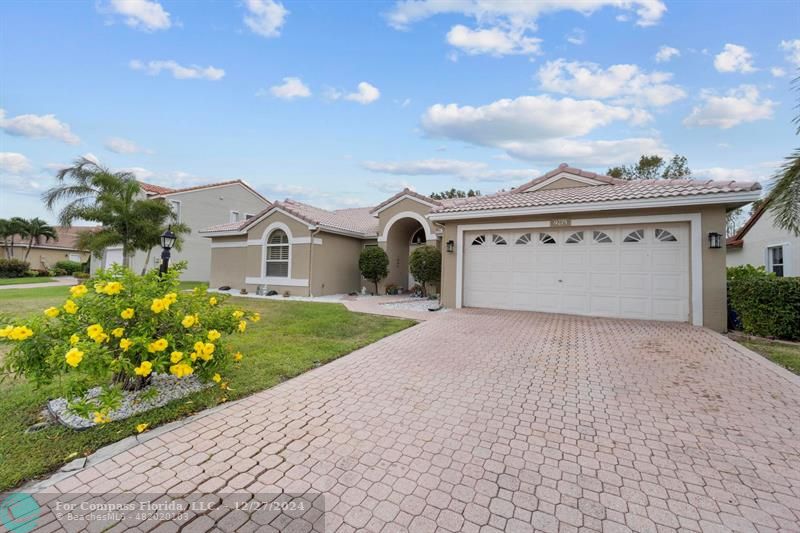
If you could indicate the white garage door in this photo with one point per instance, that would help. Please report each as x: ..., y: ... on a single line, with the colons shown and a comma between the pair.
x: 621, y: 271
x: 113, y: 256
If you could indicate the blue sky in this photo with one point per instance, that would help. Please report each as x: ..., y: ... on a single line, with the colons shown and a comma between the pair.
x: 343, y: 103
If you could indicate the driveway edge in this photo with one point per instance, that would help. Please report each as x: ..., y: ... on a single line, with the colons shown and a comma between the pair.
x: 794, y: 379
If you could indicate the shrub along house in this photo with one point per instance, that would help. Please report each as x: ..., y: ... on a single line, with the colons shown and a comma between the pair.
x: 569, y: 241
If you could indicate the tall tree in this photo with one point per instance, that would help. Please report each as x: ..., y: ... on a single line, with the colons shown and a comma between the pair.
x: 784, y: 194
x: 36, y: 230
x: 114, y: 200
x: 455, y: 193
x: 10, y: 229
x: 653, y: 167
x: 5, y: 234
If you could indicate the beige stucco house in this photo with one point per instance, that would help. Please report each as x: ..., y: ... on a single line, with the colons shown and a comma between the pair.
x: 198, y: 207
x: 760, y: 243
x: 569, y: 241
x: 45, y: 254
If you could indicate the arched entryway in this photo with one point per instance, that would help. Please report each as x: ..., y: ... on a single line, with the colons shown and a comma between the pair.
x: 401, y: 238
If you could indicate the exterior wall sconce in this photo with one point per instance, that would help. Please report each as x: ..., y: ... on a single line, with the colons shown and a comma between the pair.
x: 714, y: 240
x: 450, y: 246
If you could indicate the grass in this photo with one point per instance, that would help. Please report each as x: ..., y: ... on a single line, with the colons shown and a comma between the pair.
x: 785, y: 355
x: 291, y: 338
x: 19, y: 281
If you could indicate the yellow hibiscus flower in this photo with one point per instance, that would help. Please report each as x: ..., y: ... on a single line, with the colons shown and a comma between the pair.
x: 20, y: 333
x: 181, y: 370
x: 193, y: 356
x: 175, y: 357
x: 127, y: 314
x: 212, y: 300
x: 217, y: 378
x: 214, y: 335
x: 144, y: 369
x: 74, y: 339
x: 242, y: 326
x: 5, y: 331
x: 157, y: 306
x: 52, y: 312
x: 238, y: 314
x: 188, y: 321
x: 125, y: 344
x: 102, y: 337
x: 170, y: 298
x: 255, y: 317
x: 118, y: 332
x: 238, y: 356
x: 70, y: 307
x: 100, y: 418
x: 78, y: 290
x: 112, y: 288
x: 207, y: 353
x: 141, y: 427
x: 157, y: 346
x: 73, y: 357
x: 94, y: 330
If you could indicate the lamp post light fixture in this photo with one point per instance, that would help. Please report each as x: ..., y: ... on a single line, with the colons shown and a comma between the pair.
x: 450, y: 246
x: 167, y: 242
x: 714, y: 240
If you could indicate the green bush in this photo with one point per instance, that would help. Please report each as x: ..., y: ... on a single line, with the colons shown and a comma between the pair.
x: 766, y: 305
x: 13, y: 268
x: 70, y: 267
x: 81, y: 275
x: 425, y: 264
x: 373, y: 264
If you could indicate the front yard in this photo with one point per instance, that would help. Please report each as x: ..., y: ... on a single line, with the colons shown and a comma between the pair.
x: 20, y: 281
x: 783, y: 354
x: 291, y: 338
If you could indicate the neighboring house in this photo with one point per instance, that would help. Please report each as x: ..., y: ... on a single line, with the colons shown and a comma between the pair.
x: 47, y: 253
x: 569, y: 241
x: 198, y: 207
x: 760, y: 243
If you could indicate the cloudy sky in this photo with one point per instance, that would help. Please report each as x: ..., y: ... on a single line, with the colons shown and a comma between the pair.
x: 343, y: 103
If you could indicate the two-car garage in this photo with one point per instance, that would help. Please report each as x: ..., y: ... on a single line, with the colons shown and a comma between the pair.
x: 625, y: 271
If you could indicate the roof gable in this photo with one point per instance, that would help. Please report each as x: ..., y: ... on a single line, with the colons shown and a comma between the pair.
x: 737, y: 239
x: 568, y: 174
x: 409, y: 194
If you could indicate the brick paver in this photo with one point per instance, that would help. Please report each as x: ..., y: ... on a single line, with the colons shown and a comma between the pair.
x: 491, y: 421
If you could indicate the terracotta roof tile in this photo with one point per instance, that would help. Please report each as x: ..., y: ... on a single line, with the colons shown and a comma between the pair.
x: 616, y: 191
x: 67, y: 238
x: 406, y: 192
x: 154, y: 189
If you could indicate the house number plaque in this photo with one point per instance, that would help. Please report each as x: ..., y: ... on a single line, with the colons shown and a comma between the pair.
x: 560, y: 222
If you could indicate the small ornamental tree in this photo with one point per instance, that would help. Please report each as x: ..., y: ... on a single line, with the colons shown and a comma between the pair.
x: 120, y: 328
x: 425, y: 264
x: 373, y: 264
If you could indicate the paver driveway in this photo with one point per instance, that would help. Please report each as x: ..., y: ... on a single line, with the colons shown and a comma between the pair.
x: 489, y: 420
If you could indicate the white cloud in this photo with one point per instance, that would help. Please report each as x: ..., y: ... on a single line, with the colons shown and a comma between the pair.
x: 577, y: 37
x: 390, y: 186
x: 124, y: 146
x: 666, y: 53
x: 37, y: 127
x: 290, y: 89
x: 587, y: 152
x: 178, y: 71
x: 734, y: 58
x: 14, y: 163
x: 758, y: 172
x: 140, y: 173
x: 625, y: 83
x: 146, y: 15
x: 265, y: 17
x: 366, y: 94
x: 526, y: 118
x: 91, y: 157
x: 737, y: 106
x: 470, y: 171
x: 313, y: 195
x: 520, y: 14
x: 492, y: 41
x: 792, y: 49
x: 777, y: 72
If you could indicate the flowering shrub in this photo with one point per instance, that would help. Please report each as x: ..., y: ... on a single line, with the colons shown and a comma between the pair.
x: 118, y: 329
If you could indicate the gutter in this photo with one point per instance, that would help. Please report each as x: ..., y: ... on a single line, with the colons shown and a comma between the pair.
x: 312, y: 234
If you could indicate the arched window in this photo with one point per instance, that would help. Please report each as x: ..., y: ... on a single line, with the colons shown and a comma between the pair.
x: 601, y: 237
x: 499, y: 240
x: 419, y: 237
x: 665, y: 236
x: 278, y: 254
x: 546, y: 238
x: 480, y: 240
x: 575, y: 238
x: 634, y: 236
x: 525, y: 238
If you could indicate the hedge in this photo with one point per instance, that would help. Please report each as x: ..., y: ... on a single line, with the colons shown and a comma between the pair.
x: 70, y: 267
x: 766, y: 305
x: 13, y: 268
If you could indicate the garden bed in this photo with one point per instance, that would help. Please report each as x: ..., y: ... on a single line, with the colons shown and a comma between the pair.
x: 163, y: 388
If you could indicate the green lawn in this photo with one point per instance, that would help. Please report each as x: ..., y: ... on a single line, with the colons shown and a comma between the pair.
x: 292, y: 337
x: 19, y: 281
x: 785, y: 355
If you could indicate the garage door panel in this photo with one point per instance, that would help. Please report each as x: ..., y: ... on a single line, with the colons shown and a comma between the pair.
x: 648, y: 278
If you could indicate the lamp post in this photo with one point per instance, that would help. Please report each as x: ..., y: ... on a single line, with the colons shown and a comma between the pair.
x: 167, y: 242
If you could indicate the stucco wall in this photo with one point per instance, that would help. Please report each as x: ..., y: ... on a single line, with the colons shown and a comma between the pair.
x: 335, y: 265
x: 228, y: 264
x: 563, y: 183
x: 201, y: 209
x: 403, y: 205
x: 46, y: 258
x: 762, y: 235
x: 712, y: 220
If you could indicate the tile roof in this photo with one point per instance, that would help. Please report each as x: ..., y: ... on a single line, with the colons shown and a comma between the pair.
x: 616, y: 191
x: 737, y: 239
x: 352, y: 220
x: 406, y: 192
x: 67, y: 238
x: 154, y: 189
x: 158, y: 190
x: 563, y: 167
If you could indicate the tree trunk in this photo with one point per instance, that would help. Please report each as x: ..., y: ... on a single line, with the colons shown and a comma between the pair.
x: 146, y: 262
x: 131, y: 383
x: 11, y: 250
x: 28, y: 250
x: 126, y: 259
x: 376, y: 287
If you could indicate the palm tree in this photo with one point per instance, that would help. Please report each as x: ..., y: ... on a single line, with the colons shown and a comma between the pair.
x: 784, y: 194
x: 5, y: 233
x: 11, y: 229
x: 37, y: 229
x: 114, y: 200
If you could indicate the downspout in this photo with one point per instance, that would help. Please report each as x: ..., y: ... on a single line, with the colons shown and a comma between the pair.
x: 312, y: 233
x: 442, y: 250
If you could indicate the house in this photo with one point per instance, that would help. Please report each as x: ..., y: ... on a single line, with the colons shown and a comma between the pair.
x: 198, y: 207
x: 569, y: 241
x: 760, y: 243
x: 46, y: 254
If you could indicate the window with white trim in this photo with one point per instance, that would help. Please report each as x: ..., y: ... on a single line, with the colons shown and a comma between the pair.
x: 601, y: 237
x: 278, y: 254
x: 480, y: 240
x: 634, y: 236
x: 525, y: 238
x: 665, y: 236
x: 775, y: 261
x: 575, y: 238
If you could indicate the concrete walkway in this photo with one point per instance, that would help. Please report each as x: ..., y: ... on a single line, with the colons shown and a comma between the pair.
x: 487, y: 421
x: 58, y: 281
